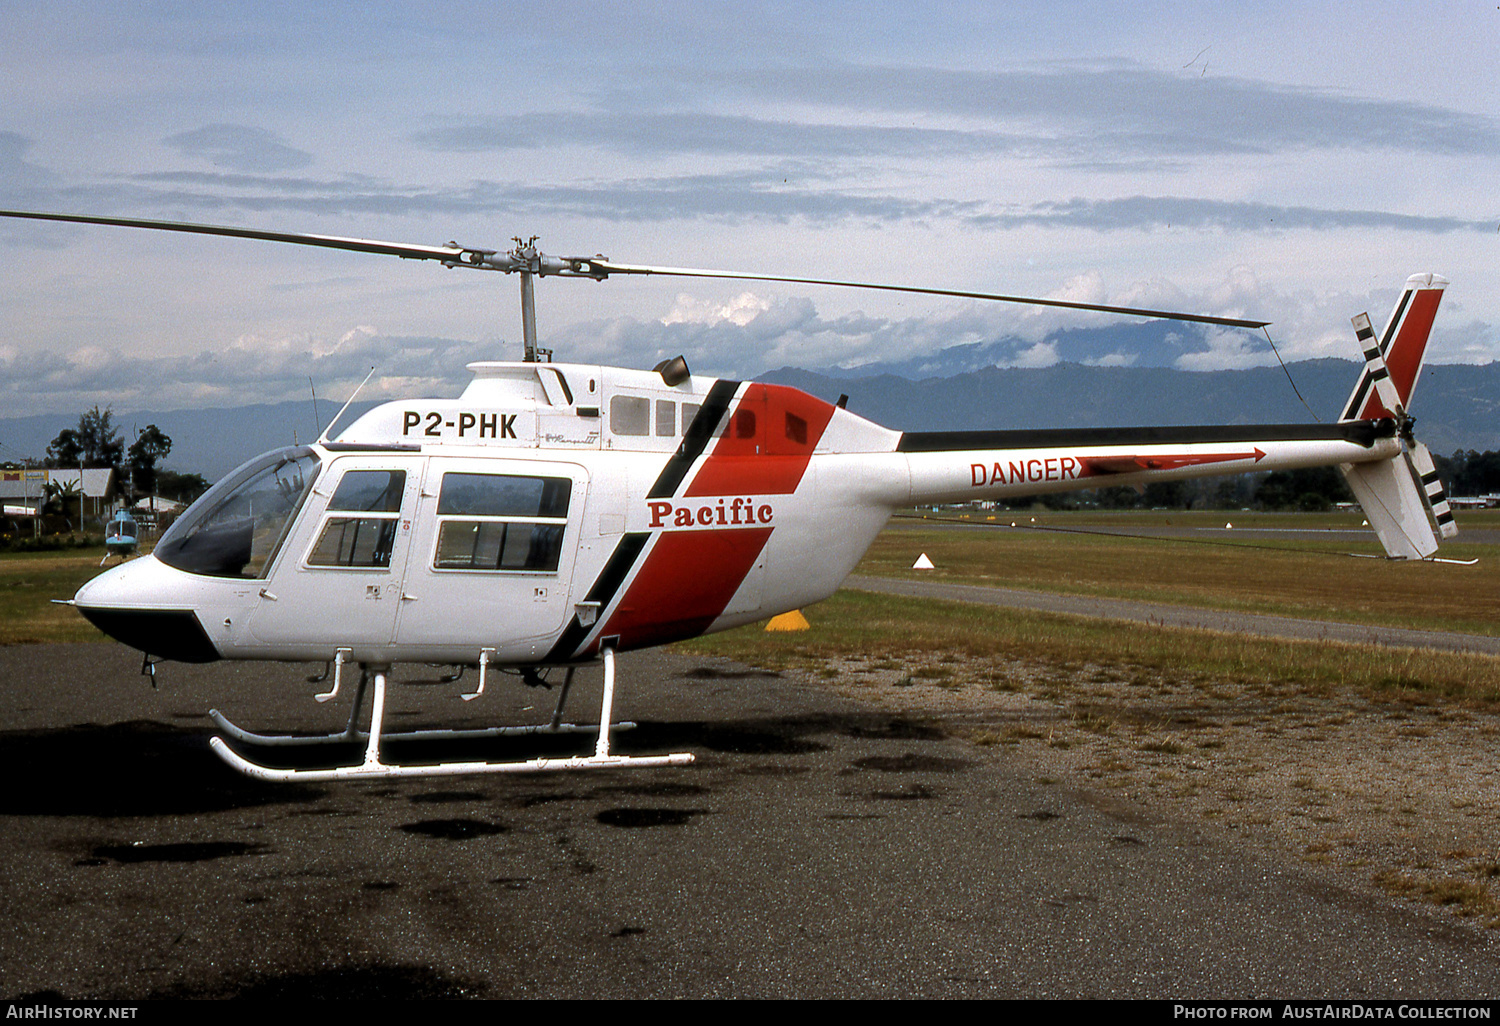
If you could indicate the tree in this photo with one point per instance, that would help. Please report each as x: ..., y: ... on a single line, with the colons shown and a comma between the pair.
x: 1168, y: 494
x: 63, y: 500
x: 150, y: 447
x: 1309, y: 489
x: 95, y: 443
x: 182, y: 487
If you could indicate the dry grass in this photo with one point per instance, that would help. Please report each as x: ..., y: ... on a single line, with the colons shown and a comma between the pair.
x: 873, y: 626
x: 1466, y: 898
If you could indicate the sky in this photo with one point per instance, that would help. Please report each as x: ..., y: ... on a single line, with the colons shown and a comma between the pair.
x: 1291, y: 162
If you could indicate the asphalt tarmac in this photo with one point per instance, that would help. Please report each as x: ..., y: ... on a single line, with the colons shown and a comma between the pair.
x: 816, y: 849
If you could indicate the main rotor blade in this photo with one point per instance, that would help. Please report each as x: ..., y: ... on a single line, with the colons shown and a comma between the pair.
x: 609, y: 267
x: 591, y: 267
x: 452, y: 254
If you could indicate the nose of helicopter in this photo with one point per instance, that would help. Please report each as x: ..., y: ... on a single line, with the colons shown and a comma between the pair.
x: 142, y: 604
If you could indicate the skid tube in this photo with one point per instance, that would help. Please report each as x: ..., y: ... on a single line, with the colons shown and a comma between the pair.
x: 373, y: 768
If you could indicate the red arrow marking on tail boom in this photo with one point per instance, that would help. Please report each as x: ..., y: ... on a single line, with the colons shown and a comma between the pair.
x: 1131, y: 464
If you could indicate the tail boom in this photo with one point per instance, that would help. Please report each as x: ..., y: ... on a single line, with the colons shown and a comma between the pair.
x: 965, y: 466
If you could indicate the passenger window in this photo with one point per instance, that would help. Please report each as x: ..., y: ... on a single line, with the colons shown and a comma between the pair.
x: 796, y: 429
x: 666, y: 418
x: 364, y: 541
x: 501, y: 522
x: 630, y: 415
x: 744, y: 424
x: 504, y: 495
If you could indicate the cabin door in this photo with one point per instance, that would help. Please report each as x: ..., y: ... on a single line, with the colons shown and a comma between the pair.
x: 338, y: 572
x: 491, y: 560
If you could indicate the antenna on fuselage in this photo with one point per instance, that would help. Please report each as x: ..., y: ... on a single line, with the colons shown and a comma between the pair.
x: 317, y: 422
x: 323, y: 438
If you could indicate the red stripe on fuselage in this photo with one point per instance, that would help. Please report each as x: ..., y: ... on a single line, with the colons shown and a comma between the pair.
x: 689, y: 577
x: 767, y: 445
x: 684, y: 585
x: 1095, y: 465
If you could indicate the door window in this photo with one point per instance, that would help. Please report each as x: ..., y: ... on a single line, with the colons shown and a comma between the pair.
x: 501, y: 522
x: 364, y: 540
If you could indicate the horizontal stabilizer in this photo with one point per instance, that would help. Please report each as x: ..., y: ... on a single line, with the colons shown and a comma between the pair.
x: 1396, y: 510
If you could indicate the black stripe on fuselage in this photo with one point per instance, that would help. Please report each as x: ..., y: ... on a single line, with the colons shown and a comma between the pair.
x: 603, y: 592
x: 695, y: 439
x: 1360, y: 432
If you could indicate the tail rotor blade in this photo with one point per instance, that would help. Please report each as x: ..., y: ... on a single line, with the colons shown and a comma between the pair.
x: 1375, y: 367
x: 1432, y: 489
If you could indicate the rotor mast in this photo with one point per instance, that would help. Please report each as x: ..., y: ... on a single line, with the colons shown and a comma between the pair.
x: 527, y: 252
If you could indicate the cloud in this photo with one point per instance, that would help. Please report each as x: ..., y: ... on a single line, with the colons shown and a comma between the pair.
x: 1124, y: 107
x: 15, y: 170
x: 741, y: 310
x: 729, y: 197
x: 726, y: 197
x: 710, y: 134
x: 743, y: 338
x: 1154, y: 212
x: 1227, y: 350
x: 251, y: 370
x: 240, y: 148
x: 1118, y: 117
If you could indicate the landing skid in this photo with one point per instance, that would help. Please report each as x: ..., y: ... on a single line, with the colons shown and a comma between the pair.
x: 373, y: 768
x: 1425, y: 559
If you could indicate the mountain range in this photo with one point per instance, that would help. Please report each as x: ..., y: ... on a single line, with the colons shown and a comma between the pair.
x: 1457, y: 405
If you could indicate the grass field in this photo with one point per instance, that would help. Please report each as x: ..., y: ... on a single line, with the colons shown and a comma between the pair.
x: 1308, y: 579
x: 28, y: 584
x: 1312, y: 579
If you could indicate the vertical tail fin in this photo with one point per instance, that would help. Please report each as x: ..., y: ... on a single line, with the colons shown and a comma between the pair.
x: 1401, y: 345
x: 1400, y: 493
x: 1393, y: 506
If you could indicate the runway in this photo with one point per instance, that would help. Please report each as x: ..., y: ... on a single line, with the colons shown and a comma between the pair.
x: 817, y: 848
x: 1351, y: 536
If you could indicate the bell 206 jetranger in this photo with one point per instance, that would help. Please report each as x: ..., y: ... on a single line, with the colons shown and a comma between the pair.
x: 555, y: 513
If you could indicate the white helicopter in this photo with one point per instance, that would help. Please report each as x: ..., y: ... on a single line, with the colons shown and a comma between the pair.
x: 555, y: 514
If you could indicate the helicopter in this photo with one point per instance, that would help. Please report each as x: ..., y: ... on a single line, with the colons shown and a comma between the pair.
x: 120, y: 536
x: 555, y: 514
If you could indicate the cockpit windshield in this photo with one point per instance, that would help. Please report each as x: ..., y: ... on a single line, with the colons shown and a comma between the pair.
x: 235, y: 529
